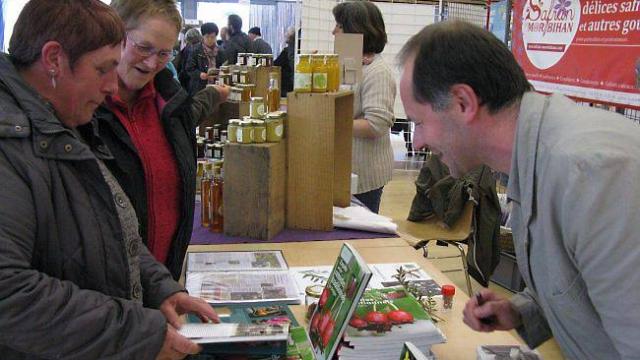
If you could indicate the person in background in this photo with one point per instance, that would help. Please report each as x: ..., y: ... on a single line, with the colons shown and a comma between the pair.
x: 238, y: 41
x: 259, y: 45
x: 373, y: 102
x: 76, y: 281
x: 575, y: 203
x: 286, y: 61
x: 224, y: 36
x: 205, y: 55
x: 191, y: 38
x: 149, y: 127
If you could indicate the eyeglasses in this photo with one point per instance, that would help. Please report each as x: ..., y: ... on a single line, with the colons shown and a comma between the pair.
x: 149, y: 51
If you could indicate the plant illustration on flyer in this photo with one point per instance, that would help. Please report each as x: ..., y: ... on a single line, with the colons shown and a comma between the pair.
x: 585, y: 49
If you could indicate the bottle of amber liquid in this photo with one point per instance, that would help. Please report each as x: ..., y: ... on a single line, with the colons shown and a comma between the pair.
x: 217, y: 218
x: 273, y: 94
x: 205, y: 199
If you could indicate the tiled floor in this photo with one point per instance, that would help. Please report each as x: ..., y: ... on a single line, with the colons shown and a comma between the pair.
x: 396, y: 201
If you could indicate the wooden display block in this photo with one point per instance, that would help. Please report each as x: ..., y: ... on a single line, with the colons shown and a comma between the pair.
x: 260, y: 76
x: 227, y: 110
x: 254, y: 190
x: 319, y: 141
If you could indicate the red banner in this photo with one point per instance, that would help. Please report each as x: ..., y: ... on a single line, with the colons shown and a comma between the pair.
x: 587, y: 49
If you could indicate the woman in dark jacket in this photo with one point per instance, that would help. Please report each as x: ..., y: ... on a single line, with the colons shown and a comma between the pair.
x: 76, y: 282
x: 149, y: 126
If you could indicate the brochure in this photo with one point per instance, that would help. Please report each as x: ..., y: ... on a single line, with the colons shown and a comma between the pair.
x: 345, y: 285
x: 411, y: 352
x: 205, y: 333
x: 382, y: 277
x: 236, y: 277
x: 383, y: 321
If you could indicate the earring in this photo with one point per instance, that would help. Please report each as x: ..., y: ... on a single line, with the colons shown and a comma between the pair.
x: 52, y: 73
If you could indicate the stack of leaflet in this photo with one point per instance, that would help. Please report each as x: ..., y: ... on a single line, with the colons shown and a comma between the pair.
x: 241, y: 277
x: 384, y: 320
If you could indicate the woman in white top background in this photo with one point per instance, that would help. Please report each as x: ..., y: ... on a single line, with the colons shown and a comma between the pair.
x: 373, y: 102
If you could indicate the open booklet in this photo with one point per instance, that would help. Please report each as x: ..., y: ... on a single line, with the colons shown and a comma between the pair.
x: 237, y: 277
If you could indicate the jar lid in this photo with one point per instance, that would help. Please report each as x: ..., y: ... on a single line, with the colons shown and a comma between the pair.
x: 235, y: 121
x: 244, y: 72
x: 258, y: 122
x: 257, y: 98
x: 246, y: 123
x: 276, y: 115
x: 314, y: 290
x: 448, y: 290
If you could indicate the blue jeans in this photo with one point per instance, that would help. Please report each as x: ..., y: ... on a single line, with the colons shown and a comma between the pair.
x: 371, y: 199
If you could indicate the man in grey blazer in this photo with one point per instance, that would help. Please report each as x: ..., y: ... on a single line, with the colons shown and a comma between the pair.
x: 572, y: 184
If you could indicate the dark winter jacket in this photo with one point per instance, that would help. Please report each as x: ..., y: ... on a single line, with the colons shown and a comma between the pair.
x: 180, y: 115
x: 64, y: 281
x: 237, y: 43
x: 441, y: 195
x: 197, y: 63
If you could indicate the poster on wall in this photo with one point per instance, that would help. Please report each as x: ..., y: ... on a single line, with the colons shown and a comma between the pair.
x: 587, y: 49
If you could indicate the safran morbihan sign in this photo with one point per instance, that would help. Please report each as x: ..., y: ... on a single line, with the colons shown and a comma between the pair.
x: 588, y: 49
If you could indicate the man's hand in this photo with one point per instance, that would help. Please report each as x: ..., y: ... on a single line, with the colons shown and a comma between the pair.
x: 180, y: 303
x: 176, y: 346
x: 505, y: 316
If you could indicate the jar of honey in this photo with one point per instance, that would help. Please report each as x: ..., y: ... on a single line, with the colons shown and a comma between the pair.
x: 245, y: 132
x: 232, y: 130
x: 302, y: 78
x: 333, y: 63
x: 256, y: 107
x: 259, y: 131
x: 275, y: 127
x: 320, y: 74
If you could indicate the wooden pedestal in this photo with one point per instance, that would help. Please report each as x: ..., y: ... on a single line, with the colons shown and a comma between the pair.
x: 319, y: 140
x: 254, y: 190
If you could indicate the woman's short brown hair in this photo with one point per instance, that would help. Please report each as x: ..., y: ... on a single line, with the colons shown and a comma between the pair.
x: 362, y: 17
x: 80, y: 26
x: 133, y: 12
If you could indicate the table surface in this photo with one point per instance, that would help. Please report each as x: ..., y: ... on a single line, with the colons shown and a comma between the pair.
x: 461, y: 340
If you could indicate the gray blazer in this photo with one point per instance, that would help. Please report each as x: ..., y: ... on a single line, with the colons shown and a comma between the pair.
x: 576, y: 223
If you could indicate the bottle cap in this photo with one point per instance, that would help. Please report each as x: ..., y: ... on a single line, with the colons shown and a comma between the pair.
x: 448, y: 290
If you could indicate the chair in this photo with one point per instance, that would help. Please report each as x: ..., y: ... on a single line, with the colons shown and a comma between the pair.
x: 421, y: 233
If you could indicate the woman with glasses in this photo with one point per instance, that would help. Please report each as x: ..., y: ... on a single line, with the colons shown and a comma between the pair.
x: 149, y: 126
x: 76, y: 282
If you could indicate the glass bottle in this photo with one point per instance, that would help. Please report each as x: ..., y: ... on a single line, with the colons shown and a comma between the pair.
x: 205, y: 199
x: 320, y: 72
x: 273, y: 93
x: 333, y: 82
x: 302, y: 78
x: 232, y: 130
x: 217, y: 218
x: 259, y: 131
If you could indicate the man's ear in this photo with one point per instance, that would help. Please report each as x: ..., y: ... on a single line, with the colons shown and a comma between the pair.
x: 52, y: 57
x: 465, y: 100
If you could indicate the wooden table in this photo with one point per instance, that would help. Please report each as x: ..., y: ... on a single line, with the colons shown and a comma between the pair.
x: 461, y: 340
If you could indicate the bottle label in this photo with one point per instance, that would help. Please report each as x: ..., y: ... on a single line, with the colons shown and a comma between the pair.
x: 239, y: 135
x: 302, y: 81
x: 320, y: 81
x: 279, y: 130
x: 263, y: 134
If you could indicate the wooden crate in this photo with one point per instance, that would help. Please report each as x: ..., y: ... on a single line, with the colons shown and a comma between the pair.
x: 260, y: 76
x: 254, y: 190
x: 319, y: 141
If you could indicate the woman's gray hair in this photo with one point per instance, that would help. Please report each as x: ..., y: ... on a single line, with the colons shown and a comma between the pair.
x: 192, y: 36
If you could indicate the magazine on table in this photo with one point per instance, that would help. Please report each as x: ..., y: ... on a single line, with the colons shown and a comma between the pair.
x: 383, y: 277
x: 205, y: 333
x: 383, y: 321
x: 236, y: 277
x: 296, y: 347
x: 338, y: 301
